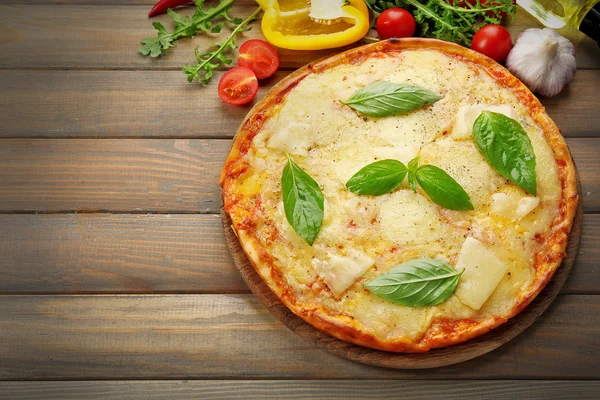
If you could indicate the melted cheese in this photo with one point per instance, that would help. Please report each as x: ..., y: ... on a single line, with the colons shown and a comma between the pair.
x: 482, y: 272
x: 467, y: 114
x: 364, y: 236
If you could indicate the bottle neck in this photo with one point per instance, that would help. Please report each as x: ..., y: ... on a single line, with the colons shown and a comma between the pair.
x: 590, y: 24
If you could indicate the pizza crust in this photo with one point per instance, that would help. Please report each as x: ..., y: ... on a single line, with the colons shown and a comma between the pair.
x: 442, y: 332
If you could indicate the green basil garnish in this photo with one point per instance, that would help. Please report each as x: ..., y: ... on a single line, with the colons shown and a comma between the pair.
x: 506, y: 146
x: 442, y: 188
x: 382, y: 99
x: 384, y: 176
x: 378, y: 178
x: 412, y: 173
x: 302, y: 201
x: 417, y: 283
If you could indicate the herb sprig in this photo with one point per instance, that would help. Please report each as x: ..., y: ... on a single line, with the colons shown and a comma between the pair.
x: 441, y: 20
x: 384, y: 176
x: 203, y: 20
x: 210, y: 60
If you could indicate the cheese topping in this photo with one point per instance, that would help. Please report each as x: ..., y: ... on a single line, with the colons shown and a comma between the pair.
x: 365, y: 236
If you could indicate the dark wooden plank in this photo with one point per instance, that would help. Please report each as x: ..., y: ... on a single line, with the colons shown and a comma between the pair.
x: 115, y: 253
x: 103, y: 253
x: 116, y: 175
x: 123, y: 104
x: 153, y: 175
x: 163, y: 104
x: 61, y: 36
x: 233, y: 336
x: 298, y: 390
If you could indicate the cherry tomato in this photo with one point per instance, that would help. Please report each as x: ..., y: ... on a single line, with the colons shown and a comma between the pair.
x: 238, y: 86
x: 259, y: 56
x: 395, y: 22
x: 493, y: 41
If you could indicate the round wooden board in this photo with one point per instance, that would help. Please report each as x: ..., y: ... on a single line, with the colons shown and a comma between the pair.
x: 433, y: 358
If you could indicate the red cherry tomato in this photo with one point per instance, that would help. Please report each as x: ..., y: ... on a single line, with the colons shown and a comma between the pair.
x: 259, y: 56
x: 395, y: 22
x: 493, y: 41
x: 238, y: 86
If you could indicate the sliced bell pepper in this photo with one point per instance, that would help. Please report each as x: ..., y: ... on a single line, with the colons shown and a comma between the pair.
x: 324, y: 24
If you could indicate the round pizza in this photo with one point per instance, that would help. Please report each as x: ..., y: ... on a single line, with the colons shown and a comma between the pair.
x: 406, y: 195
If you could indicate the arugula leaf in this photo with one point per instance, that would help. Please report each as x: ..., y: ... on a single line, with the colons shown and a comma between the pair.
x: 209, y: 61
x: 417, y: 283
x: 303, y: 201
x: 378, y: 178
x: 506, y: 146
x: 441, y: 19
x: 202, y: 20
x: 383, y: 98
x: 442, y: 188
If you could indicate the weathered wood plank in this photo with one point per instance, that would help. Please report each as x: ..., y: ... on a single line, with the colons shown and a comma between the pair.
x: 110, y: 39
x: 114, y: 175
x: 137, y: 104
x: 152, y: 175
x: 115, y: 253
x: 127, y: 104
x: 103, y: 253
x: 298, y: 390
x: 233, y: 336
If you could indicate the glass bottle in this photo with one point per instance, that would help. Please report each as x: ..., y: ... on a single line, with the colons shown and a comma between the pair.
x: 556, y: 14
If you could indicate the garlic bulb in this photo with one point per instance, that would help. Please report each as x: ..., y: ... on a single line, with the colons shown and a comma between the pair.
x: 543, y: 59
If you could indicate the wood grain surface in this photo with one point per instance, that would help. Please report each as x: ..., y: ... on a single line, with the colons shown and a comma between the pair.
x: 153, y: 175
x: 126, y: 104
x: 65, y: 36
x: 147, y: 253
x: 301, y: 390
x: 88, y: 124
x: 229, y: 336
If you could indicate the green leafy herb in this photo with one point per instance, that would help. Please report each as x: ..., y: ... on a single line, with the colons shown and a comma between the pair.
x: 302, y: 201
x: 378, y: 178
x: 383, y: 98
x: 441, y: 19
x: 412, y: 173
x: 208, y: 61
x: 506, y: 146
x: 417, y: 283
x: 384, y: 176
x: 202, y: 20
x: 442, y: 188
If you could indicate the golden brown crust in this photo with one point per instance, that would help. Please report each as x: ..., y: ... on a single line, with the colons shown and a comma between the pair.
x: 443, y: 332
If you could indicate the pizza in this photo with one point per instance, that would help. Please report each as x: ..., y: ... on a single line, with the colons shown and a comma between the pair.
x: 499, y: 246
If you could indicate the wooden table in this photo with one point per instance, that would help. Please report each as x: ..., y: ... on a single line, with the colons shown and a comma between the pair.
x: 114, y: 275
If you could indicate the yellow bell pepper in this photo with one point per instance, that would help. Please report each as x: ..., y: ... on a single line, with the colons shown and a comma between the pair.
x: 325, y: 25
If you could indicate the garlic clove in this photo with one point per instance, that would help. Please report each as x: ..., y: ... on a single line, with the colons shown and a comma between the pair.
x: 543, y: 60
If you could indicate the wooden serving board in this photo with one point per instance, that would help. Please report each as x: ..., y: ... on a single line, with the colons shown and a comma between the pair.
x: 433, y: 358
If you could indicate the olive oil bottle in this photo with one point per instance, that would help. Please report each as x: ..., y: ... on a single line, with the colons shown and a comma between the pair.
x: 556, y: 14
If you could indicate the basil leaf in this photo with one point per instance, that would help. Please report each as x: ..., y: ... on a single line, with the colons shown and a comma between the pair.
x: 382, y: 99
x: 416, y: 283
x: 412, y: 173
x: 378, y: 178
x: 442, y: 188
x: 302, y: 201
x: 506, y: 146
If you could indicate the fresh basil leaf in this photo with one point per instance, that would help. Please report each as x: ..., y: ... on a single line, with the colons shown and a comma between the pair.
x: 378, y: 178
x: 506, y: 146
x: 442, y: 188
x: 416, y: 283
x: 302, y: 201
x: 412, y: 173
x: 382, y: 99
